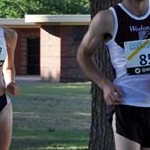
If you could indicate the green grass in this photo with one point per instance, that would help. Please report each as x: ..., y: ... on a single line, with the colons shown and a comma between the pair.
x: 52, y: 116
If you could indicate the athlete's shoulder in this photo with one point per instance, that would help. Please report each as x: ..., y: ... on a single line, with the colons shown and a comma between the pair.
x: 104, y: 16
x: 10, y: 35
x: 103, y: 22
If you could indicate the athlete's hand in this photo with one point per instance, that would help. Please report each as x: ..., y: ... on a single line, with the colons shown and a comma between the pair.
x: 13, y: 88
x: 112, y: 94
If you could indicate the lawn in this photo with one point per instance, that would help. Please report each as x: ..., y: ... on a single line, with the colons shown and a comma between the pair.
x: 51, y: 116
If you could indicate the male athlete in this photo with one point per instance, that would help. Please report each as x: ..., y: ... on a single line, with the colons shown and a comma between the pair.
x: 125, y: 29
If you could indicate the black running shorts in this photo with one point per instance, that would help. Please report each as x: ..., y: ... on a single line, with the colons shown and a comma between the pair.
x: 3, y: 102
x: 134, y: 123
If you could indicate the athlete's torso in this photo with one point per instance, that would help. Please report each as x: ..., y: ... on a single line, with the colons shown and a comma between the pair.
x: 129, y: 31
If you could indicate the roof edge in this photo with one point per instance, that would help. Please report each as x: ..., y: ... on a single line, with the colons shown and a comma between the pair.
x: 60, y: 19
x: 15, y: 22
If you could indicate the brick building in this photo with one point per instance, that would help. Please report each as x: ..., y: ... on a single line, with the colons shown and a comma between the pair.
x: 47, y: 45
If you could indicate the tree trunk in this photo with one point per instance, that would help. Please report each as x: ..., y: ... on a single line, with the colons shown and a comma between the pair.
x: 101, y: 136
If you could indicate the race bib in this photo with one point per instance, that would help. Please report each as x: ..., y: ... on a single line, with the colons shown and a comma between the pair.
x: 137, y: 57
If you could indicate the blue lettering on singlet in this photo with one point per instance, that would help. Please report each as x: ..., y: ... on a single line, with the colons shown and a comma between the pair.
x: 141, y: 28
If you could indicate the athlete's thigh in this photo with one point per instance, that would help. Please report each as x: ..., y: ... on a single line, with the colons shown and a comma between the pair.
x: 6, y: 127
x: 123, y: 143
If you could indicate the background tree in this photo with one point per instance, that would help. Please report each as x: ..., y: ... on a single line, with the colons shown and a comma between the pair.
x: 17, y: 8
x: 101, y: 136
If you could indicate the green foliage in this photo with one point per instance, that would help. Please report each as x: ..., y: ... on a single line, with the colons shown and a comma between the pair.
x: 17, y: 8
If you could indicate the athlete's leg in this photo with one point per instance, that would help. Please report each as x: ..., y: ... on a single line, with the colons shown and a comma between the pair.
x: 123, y: 143
x: 6, y: 116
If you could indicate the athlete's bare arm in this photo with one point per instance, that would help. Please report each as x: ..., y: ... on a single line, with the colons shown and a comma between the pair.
x: 8, y: 67
x: 100, y: 30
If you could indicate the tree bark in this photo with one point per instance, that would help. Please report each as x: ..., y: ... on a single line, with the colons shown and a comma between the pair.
x: 101, y: 135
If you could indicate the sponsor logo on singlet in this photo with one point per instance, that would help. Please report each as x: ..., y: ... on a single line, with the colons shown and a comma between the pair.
x: 143, y: 31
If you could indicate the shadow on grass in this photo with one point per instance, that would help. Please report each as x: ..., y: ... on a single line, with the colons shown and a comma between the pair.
x: 49, y: 140
x: 29, y: 144
x: 51, y: 117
